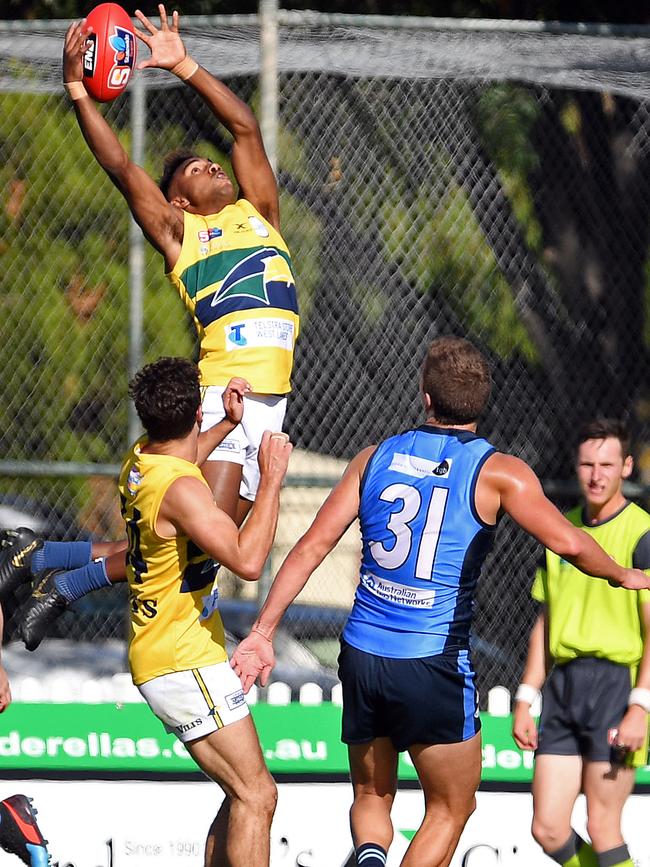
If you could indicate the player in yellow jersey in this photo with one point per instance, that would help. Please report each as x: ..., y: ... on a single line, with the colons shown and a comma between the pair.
x: 222, y: 249
x: 224, y: 254
x: 176, y: 654
x: 593, y: 729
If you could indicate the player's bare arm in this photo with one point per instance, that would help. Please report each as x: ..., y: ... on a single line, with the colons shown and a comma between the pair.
x: 250, y: 164
x: 5, y: 691
x: 254, y: 656
x: 633, y: 727
x: 508, y: 483
x: 233, y: 404
x: 524, y: 727
x: 161, y: 222
x: 188, y: 508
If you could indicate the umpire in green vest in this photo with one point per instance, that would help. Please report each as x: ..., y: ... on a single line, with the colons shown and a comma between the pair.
x: 593, y: 730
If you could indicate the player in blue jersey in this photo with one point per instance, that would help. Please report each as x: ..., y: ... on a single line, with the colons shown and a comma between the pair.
x: 428, y: 501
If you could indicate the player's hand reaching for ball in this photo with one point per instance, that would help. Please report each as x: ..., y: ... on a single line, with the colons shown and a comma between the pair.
x: 233, y: 398
x: 273, y: 456
x: 166, y: 46
x: 74, y: 48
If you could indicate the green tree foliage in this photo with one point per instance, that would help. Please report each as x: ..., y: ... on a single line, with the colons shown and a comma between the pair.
x: 64, y: 289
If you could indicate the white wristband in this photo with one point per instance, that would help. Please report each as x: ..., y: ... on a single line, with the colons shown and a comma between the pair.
x: 640, y: 696
x: 526, y: 692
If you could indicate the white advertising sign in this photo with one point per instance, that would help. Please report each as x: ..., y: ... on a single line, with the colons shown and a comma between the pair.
x: 158, y: 824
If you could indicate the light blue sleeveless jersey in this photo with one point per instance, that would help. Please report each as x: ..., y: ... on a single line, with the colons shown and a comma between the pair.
x: 423, y: 544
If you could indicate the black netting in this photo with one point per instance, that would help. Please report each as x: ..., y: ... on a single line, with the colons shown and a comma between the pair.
x: 512, y: 210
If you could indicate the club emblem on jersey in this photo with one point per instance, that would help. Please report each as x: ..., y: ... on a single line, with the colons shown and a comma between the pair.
x: 250, y: 277
x: 133, y: 481
x: 258, y: 227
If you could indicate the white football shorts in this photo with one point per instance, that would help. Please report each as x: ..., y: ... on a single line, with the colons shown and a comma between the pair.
x: 261, y: 412
x: 194, y: 703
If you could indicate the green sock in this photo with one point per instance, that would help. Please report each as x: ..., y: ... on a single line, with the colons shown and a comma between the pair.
x: 576, y: 852
x: 586, y: 855
x: 618, y: 857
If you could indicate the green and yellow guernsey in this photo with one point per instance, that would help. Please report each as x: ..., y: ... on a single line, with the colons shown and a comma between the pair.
x: 235, y: 277
x: 589, y: 617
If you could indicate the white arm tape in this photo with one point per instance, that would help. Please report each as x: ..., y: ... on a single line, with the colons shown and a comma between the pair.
x: 526, y: 692
x: 640, y: 696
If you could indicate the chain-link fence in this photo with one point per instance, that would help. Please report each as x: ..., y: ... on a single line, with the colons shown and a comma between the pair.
x: 433, y: 180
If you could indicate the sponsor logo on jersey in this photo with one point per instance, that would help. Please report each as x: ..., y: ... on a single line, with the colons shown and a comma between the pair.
x: 412, y: 465
x: 207, y: 235
x: 210, y: 602
x: 413, y: 597
x: 258, y: 227
x: 250, y: 277
x: 122, y: 43
x: 133, y: 482
x: 235, y: 699
x: 278, y: 333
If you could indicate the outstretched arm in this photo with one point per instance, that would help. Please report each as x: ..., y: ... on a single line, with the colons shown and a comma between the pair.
x: 188, y: 507
x: 250, y: 164
x: 254, y: 656
x: 160, y: 221
x: 519, y: 492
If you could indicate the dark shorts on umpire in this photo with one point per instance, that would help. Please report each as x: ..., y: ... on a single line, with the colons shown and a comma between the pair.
x: 431, y: 700
x: 582, y: 701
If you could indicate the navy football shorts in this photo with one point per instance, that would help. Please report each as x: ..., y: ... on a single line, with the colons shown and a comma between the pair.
x: 431, y: 700
x: 582, y: 701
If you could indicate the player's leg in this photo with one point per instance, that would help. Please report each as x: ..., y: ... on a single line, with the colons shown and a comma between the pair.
x: 558, y: 767
x: 450, y: 775
x: 224, y: 479
x: 262, y: 412
x: 232, y: 757
x: 556, y: 785
x: 205, y: 708
x: 23, y: 554
x: 607, y: 788
x: 215, y: 844
x: 54, y: 590
x: 372, y: 755
x: 223, y: 468
x: 373, y: 771
x: 605, y: 781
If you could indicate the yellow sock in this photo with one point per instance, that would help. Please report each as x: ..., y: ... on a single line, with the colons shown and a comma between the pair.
x: 576, y: 852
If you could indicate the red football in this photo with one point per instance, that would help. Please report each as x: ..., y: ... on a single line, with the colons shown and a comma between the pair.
x: 110, y: 57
